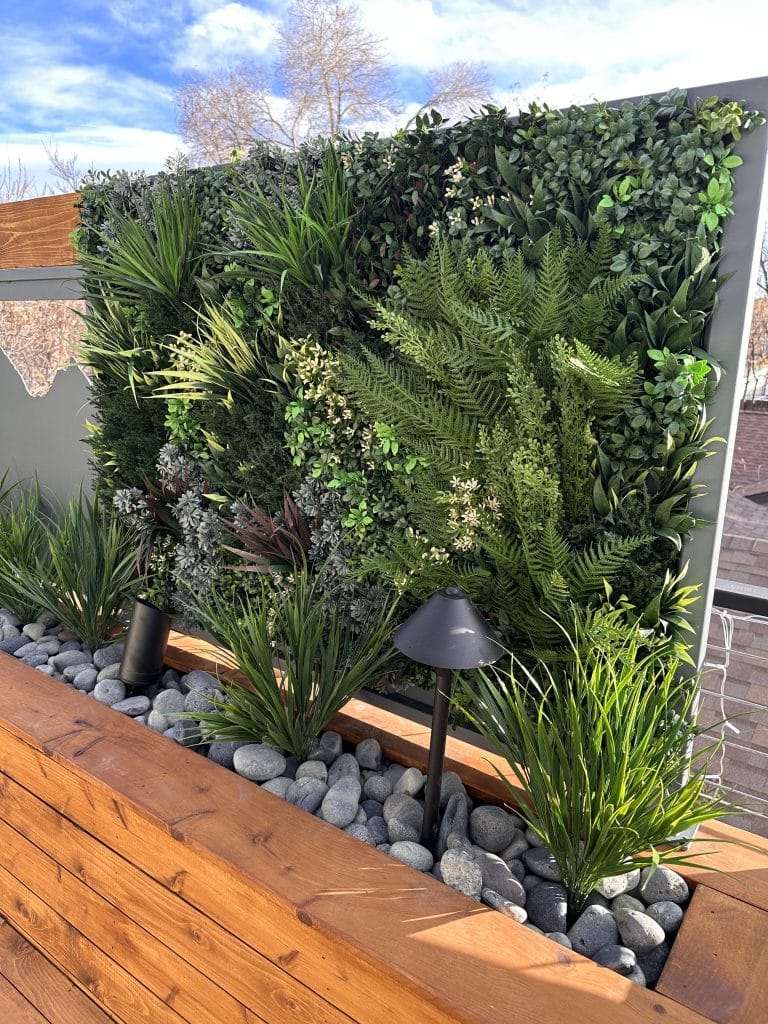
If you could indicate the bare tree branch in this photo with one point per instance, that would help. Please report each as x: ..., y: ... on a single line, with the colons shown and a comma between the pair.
x: 334, y: 65
x: 63, y: 168
x: 15, y: 182
x: 456, y: 89
x: 332, y: 76
x: 762, y: 270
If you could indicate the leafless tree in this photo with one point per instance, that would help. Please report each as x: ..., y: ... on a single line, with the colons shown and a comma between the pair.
x: 762, y: 269
x: 757, y: 353
x: 63, y: 168
x: 15, y: 182
x: 456, y: 89
x: 332, y: 76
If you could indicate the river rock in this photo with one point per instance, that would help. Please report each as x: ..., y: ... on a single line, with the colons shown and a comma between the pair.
x: 168, y: 702
x: 34, y: 630
x: 85, y: 680
x: 531, y: 838
x: 540, y: 861
x: 327, y: 748
x: 498, y: 877
x: 498, y: 902
x: 459, y: 870
x: 410, y: 782
x: 378, y: 830
x: 491, y: 827
x: 306, y: 793
x: 312, y: 770
x: 277, y: 787
x: 27, y: 648
x: 359, y: 831
x: 258, y: 762
x: 33, y: 660
x: 616, y: 958
x: 414, y: 854
x: 111, y: 655
x: 13, y: 644
x: 661, y: 884
x: 199, y: 701
x: 64, y: 659
x: 341, y: 803
x: 560, y: 938
x: 220, y: 751
x: 547, y: 906
x: 373, y: 808
x: 110, y: 672
x: 109, y: 691
x: 450, y: 783
x: 186, y: 732
x: 652, y: 962
x: 516, y: 848
x: 627, y: 902
x: 368, y: 754
x: 344, y: 767
x: 404, y: 808
x: 133, y: 706
x: 666, y: 913
x: 71, y: 672
x: 637, y: 977
x: 377, y: 787
x: 455, y: 821
x: 639, y: 932
x: 593, y: 929
x: 199, y: 680
x: 614, y: 886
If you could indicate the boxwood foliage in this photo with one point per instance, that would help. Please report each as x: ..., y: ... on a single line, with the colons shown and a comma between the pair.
x: 654, y: 177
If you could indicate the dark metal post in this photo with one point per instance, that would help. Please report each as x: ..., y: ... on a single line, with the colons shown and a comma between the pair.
x: 443, y: 683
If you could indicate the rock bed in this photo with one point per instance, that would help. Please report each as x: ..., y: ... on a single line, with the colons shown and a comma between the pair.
x: 483, y: 851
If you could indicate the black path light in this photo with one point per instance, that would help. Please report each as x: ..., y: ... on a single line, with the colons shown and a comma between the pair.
x: 144, y: 651
x: 447, y: 633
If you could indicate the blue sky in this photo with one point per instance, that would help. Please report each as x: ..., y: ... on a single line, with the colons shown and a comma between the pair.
x: 98, y: 77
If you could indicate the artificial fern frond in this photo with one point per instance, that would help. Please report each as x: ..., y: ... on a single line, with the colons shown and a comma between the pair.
x: 600, y: 563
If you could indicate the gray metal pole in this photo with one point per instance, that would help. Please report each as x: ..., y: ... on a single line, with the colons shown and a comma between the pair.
x: 443, y: 683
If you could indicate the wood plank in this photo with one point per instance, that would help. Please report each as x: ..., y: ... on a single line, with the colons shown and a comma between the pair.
x: 15, y: 1009
x: 111, y: 986
x: 719, y: 961
x: 193, y: 996
x: 51, y: 993
x: 216, y: 953
x: 35, y: 232
x: 371, y: 935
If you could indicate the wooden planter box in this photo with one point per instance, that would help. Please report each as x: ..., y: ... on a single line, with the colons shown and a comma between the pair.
x: 171, y: 890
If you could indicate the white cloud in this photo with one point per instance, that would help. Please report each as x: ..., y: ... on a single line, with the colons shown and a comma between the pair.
x: 98, y: 146
x: 225, y: 34
x: 43, y: 85
x: 606, y: 49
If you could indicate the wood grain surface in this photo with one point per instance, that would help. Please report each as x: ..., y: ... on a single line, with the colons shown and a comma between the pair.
x: 54, y: 998
x: 35, y: 232
x: 719, y: 962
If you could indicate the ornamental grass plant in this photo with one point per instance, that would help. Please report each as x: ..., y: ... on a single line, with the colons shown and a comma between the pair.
x: 84, y: 573
x: 604, y: 754
x: 23, y: 544
x: 303, y: 657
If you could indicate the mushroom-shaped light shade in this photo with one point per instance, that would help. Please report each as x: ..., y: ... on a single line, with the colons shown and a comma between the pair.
x: 448, y: 632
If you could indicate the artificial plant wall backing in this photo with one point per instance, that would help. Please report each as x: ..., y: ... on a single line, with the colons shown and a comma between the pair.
x: 649, y: 182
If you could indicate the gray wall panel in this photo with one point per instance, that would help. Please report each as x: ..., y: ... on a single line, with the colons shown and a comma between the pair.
x: 45, y: 435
